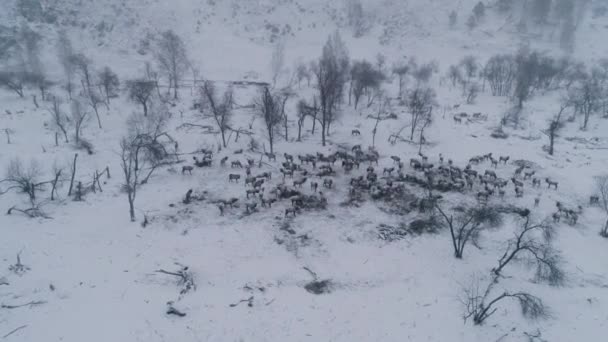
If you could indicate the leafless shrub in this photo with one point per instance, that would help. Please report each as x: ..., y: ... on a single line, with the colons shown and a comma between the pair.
x: 601, y: 184
x: 466, y: 224
x: 24, y: 180
x: 18, y: 268
x: 482, y: 303
x: 185, y: 278
x: 60, y: 120
x: 109, y: 83
x: 532, y: 244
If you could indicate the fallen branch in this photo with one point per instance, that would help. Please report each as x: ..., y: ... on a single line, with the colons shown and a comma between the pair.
x: 33, y: 212
x: 186, y: 279
x: 314, y: 275
x: 14, y: 331
x: 249, y: 302
x: 30, y: 304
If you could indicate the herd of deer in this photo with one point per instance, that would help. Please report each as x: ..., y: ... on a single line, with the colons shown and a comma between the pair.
x: 443, y: 177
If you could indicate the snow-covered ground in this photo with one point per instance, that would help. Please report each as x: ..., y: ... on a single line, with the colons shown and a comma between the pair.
x: 95, y: 273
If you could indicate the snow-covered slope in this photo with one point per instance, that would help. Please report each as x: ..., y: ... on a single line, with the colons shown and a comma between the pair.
x: 93, y: 273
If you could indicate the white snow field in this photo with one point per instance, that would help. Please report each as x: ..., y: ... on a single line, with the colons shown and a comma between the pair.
x: 87, y: 273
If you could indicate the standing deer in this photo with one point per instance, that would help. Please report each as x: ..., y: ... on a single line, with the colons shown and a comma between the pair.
x: 187, y: 168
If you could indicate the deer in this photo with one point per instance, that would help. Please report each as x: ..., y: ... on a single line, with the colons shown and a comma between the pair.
x: 253, y: 191
x: 517, y: 183
x: 286, y: 173
x: 425, y: 159
x: 233, y: 177
x: 503, y: 159
x: 536, y: 182
x: 536, y: 201
x: 288, y: 157
x: 258, y: 183
x: 223, y: 161
x: 519, y: 192
x: 187, y: 168
x: 491, y: 174
x: 528, y: 175
x: 494, y: 162
x: 594, y: 200
x: 556, y: 217
x: 551, y: 183
x: 355, y: 132
x: 300, y: 182
x: 483, y: 195
x: 267, y: 175
x: 236, y: 163
x: 249, y: 180
x: 271, y: 156
x: 265, y: 203
x: 314, y: 186
x: 457, y: 119
x: 291, y: 211
x: 250, y: 207
x: 388, y: 170
x: 396, y: 160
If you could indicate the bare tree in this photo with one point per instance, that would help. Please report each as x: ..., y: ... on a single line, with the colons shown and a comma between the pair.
x: 382, y: 114
x: 65, y: 52
x: 586, y: 96
x: 402, y: 70
x: 471, y: 92
x: 130, y: 163
x: 277, y: 60
x: 420, y: 102
x: 481, y: 303
x: 470, y: 66
x: 302, y: 73
x: 357, y: 20
x: 268, y: 106
x: 467, y: 224
x: 14, y: 81
x: 172, y: 58
x: 365, y: 79
x: 453, y: 18
x: 306, y: 110
x: 219, y: 109
x: 60, y: 120
x: 109, y: 83
x: 80, y: 119
x: 83, y: 65
x: 424, y: 72
x: 140, y: 92
x: 144, y: 150
x: 555, y: 125
x: 532, y: 243
x: 24, y: 180
x: 500, y: 71
x: 601, y: 183
x: 331, y: 75
x: 455, y: 75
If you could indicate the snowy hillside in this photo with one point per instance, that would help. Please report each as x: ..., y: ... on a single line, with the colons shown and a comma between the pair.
x: 425, y: 203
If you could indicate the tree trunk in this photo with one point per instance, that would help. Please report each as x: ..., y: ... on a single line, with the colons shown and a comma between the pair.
x: 73, y: 174
x: 131, y: 197
x: 223, y: 133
